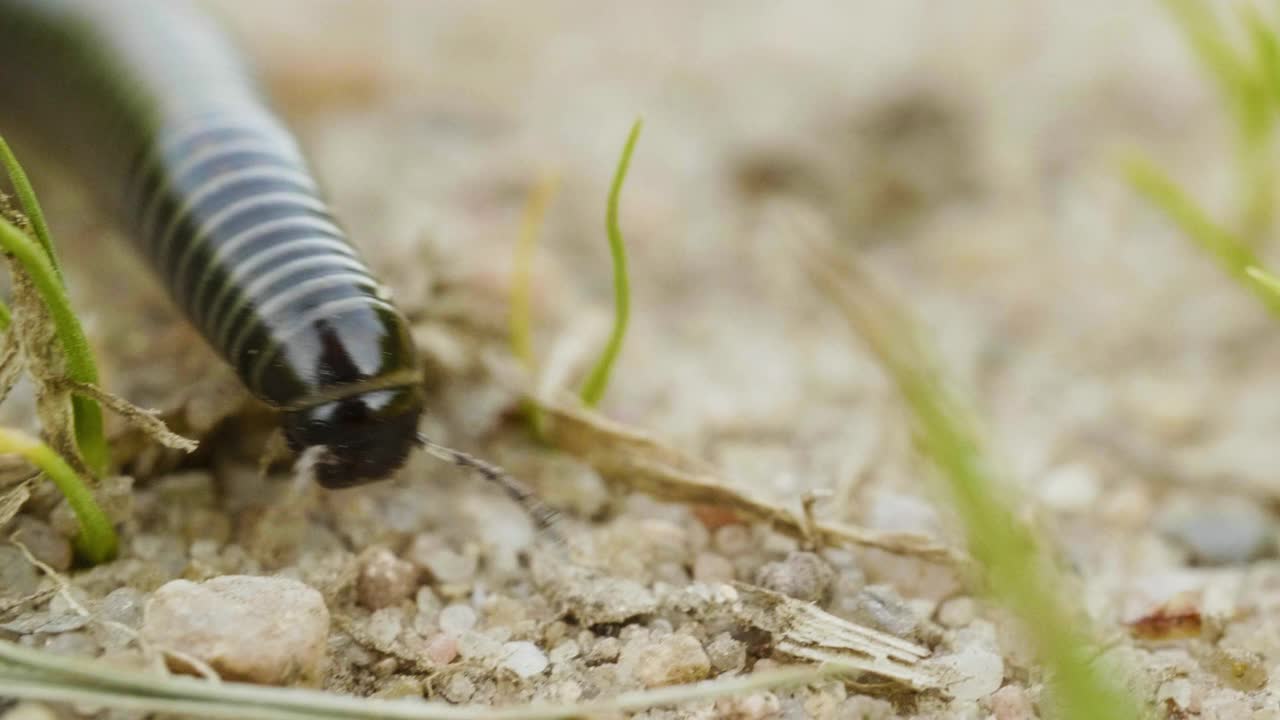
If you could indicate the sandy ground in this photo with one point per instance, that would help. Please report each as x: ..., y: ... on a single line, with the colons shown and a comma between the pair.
x: 964, y: 151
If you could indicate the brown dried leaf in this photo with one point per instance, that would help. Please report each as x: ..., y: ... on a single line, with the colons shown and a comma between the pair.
x: 630, y: 457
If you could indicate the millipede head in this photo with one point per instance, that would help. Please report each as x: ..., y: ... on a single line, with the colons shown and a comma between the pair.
x: 362, y: 438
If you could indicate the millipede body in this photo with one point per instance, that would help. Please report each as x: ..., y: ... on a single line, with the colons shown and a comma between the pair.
x: 159, y: 118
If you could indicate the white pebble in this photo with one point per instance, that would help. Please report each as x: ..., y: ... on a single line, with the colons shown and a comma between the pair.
x: 972, y: 673
x: 385, y: 626
x: 564, y: 652
x: 524, y: 659
x: 457, y: 619
x: 256, y: 629
x: 1071, y: 488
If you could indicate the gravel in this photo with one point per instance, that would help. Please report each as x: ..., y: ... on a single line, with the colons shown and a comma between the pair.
x: 255, y: 629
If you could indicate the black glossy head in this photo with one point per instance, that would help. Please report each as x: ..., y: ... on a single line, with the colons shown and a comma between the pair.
x: 364, y: 438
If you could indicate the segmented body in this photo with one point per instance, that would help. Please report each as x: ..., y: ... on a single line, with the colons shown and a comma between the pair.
x: 146, y: 101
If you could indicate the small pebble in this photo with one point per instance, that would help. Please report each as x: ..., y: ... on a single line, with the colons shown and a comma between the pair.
x: 18, y: 578
x: 565, y: 692
x: 607, y: 600
x: 882, y: 608
x: 564, y: 652
x: 448, y: 567
x: 671, y: 660
x: 1071, y: 488
x: 385, y: 626
x: 604, y: 650
x: 1011, y: 703
x: 733, y: 540
x: 457, y: 619
x: 756, y: 706
x: 442, y: 649
x: 712, y: 568
x: 1222, y: 531
x: 1178, y: 693
x: 459, y: 689
x: 72, y: 643
x: 802, y: 575
x: 726, y: 653
x: 974, y: 671
x: 121, y: 607
x: 256, y: 629
x: 427, y: 601
x: 524, y: 659
x: 46, y: 544
x: 385, y: 579
x: 473, y: 645
x: 957, y: 612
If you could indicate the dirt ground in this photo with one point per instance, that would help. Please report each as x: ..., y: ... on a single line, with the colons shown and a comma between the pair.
x: 964, y: 151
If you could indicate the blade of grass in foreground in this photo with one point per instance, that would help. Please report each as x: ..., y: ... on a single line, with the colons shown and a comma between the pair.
x: 96, y: 542
x: 1231, y: 254
x: 594, y: 387
x: 90, y: 433
x: 1017, y: 571
x: 30, y: 204
x: 521, y: 320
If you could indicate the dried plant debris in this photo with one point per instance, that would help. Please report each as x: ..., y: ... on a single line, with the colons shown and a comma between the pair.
x: 805, y: 631
x: 11, y: 501
x: 640, y: 462
x: 148, y: 422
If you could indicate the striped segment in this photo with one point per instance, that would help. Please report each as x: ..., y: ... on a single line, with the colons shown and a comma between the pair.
x: 157, y: 113
x: 228, y: 213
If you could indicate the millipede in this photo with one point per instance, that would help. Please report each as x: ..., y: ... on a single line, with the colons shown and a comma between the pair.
x: 159, y: 117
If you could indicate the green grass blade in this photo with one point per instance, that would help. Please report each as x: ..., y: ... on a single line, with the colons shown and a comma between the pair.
x: 1018, y: 572
x: 30, y: 204
x: 598, y: 379
x: 1209, y: 41
x: 1266, y: 50
x: 521, y: 320
x: 1228, y: 250
x: 90, y: 432
x: 97, y: 541
x: 6, y: 317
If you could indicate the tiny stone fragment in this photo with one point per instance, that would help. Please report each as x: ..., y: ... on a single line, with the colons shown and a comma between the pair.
x: 564, y: 652
x: 726, y: 653
x: 671, y: 660
x: 802, y: 575
x: 45, y: 543
x: 712, y: 568
x: 882, y: 608
x: 385, y: 579
x: 442, y: 649
x: 1224, y: 531
x: 459, y: 689
x: 1011, y: 703
x: 971, y: 673
x: 756, y: 706
x: 524, y: 659
x: 262, y: 630
x: 604, y: 650
x: 957, y: 612
x: 457, y: 619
